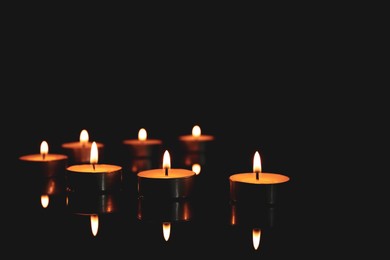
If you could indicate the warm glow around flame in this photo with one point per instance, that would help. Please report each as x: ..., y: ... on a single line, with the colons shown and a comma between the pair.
x: 166, y: 230
x: 166, y: 160
x: 94, y: 224
x: 196, y: 132
x: 45, y: 200
x: 84, y: 137
x: 44, y: 148
x: 142, y: 134
x: 256, y: 162
x: 94, y: 157
x: 256, y: 234
x: 196, y: 168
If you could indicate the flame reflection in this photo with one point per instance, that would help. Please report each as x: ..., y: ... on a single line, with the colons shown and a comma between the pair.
x: 44, y: 200
x: 166, y: 230
x: 94, y: 218
x: 256, y: 234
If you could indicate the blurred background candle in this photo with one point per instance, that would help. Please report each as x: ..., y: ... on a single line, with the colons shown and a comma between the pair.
x: 196, y: 142
x: 94, y: 176
x: 256, y: 185
x: 166, y: 182
x: 44, y: 164
x: 143, y: 147
x: 79, y: 152
x: 139, y: 155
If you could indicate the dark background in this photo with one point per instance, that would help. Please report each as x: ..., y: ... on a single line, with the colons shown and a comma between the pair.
x: 260, y: 89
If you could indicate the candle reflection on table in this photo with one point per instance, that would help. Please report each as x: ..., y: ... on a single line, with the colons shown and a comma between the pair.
x: 166, y: 230
x: 256, y: 235
x: 93, y: 205
x: 254, y: 217
x: 165, y: 212
x: 52, y: 191
x: 94, y: 218
x: 48, y: 193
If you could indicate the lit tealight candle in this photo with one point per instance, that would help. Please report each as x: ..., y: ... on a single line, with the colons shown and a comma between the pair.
x: 79, y: 152
x: 94, y: 176
x: 256, y: 184
x: 143, y: 147
x: 166, y: 182
x: 45, y: 164
x: 195, y: 142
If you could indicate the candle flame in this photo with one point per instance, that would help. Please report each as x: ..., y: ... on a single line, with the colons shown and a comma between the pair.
x: 256, y: 234
x: 84, y: 137
x: 94, y: 154
x: 257, y: 163
x: 94, y: 219
x: 44, y: 149
x: 196, y: 131
x: 44, y: 200
x: 196, y: 168
x: 166, y: 230
x: 166, y: 160
x: 142, y: 134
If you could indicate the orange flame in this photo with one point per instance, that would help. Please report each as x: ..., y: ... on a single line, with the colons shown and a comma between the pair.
x: 196, y: 131
x: 166, y: 160
x: 256, y: 163
x: 142, y: 134
x: 94, y: 154
x: 44, y: 149
x: 84, y: 137
x: 196, y: 168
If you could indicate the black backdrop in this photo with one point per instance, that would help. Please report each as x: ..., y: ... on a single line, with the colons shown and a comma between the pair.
x: 267, y: 98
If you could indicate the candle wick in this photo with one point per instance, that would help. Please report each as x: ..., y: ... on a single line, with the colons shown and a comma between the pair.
x: 93, y: 165
x: 257, y: 175
x: 43, y: 156
x: 166, y: 171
